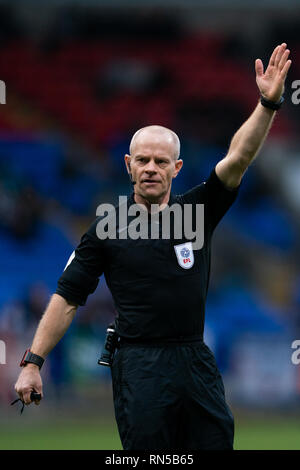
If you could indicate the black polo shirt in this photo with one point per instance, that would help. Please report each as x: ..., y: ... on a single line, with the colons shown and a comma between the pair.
x: 156, y: 294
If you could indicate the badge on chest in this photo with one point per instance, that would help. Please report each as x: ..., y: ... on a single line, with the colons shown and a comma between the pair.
x: 185, y: 255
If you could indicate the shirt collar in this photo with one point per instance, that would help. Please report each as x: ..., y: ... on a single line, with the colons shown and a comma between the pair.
x: 131, y: 201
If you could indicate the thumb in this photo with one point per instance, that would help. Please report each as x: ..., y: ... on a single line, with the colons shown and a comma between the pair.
x: 259, y: 68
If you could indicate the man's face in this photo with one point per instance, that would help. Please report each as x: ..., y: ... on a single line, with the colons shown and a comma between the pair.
x: 153, y: 165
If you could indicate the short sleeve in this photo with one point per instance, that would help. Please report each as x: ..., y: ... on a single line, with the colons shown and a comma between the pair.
x: 217, y: 199
x: 86, y: 264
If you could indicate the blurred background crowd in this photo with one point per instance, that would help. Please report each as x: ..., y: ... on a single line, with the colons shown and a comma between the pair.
x: 80, y: 80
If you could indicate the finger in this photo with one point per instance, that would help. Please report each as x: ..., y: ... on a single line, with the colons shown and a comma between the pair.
x: 272, y: 58
x: 19, y: 392
x: 285, y: 69
x: 283, y: 59
x: 26, y: 397
x: 259, y: 68
x: 279, y: 54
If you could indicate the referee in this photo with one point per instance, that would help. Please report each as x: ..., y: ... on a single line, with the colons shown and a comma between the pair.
x: 168, y: 392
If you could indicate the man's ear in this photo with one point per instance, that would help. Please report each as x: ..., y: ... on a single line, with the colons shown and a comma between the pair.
x: 127, y: 159
x: 178, y: 166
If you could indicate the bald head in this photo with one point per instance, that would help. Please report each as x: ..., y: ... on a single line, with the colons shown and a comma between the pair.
x: 158, y: 133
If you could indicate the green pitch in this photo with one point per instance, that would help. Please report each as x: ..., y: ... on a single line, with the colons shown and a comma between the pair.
x: 270, y: 433
x: 253, y: 434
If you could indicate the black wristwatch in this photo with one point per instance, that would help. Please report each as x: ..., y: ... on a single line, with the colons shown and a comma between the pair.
x: 32, y: 358
x: 271, y: 104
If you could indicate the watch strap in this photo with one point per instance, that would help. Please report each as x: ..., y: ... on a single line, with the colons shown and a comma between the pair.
x: 32, y: 358
x: 271, y: 104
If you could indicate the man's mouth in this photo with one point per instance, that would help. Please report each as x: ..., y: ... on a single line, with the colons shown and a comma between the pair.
x: 149, y: 181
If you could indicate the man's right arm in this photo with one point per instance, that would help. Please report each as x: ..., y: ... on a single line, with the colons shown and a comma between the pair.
x: 79, y: 279
x: 52, y: 327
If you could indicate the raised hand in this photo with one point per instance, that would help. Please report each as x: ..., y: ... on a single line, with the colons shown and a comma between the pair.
x: 271, y: 82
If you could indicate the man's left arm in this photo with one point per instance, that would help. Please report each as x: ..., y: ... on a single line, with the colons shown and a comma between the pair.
x: 249, y: 138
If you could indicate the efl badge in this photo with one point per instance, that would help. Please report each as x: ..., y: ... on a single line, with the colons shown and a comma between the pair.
x: 185, y: 255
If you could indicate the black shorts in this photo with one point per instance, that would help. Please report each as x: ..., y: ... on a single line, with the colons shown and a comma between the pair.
x: 170, y: 397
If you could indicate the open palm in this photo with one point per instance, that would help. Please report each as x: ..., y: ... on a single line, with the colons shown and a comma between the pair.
x: 271, y: 82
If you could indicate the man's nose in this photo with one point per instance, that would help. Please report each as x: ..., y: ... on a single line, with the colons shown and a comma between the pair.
x: 150, y: 167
